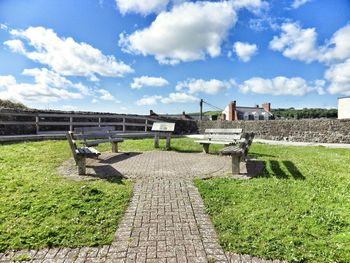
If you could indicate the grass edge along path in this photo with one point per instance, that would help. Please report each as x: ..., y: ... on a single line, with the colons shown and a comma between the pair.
x: 40, y: 209
x: 298, y: 210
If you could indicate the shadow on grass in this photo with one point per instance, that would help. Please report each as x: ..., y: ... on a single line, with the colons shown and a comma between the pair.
x: 275, y: 169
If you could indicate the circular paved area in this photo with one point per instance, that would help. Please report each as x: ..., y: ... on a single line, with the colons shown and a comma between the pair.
x: 151, y: 164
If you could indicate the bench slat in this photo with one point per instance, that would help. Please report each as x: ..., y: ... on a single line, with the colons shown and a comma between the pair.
x: 215, y: 142
x: 93, y: 129
x: 225, y: 137
x: 219, y: 131
x: 97, y: 142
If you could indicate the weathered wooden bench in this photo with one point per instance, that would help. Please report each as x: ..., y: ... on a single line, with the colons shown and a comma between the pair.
x: 162, y: 129
x: 239, y: 152
x: 220, y: 136
x: 81, y: 153
x: 93, y: 136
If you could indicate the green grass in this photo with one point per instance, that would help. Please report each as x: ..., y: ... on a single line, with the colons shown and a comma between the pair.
x: 38, y: 208
x: 297, y: 210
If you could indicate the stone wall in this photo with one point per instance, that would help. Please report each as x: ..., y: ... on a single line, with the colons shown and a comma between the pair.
x: 316, y: 130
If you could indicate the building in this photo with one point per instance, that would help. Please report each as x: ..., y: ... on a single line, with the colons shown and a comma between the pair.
x: 344, y: 108
x: 233, y: 112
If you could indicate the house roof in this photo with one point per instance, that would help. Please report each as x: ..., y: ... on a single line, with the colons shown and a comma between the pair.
x: 251, y: 110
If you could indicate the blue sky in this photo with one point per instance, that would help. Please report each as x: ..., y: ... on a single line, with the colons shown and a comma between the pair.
x: 130, y: 56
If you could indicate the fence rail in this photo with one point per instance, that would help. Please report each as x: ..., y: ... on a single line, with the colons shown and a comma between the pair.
x: 40, y: 120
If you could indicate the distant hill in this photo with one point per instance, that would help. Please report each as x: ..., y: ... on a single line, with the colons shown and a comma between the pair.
x: 312, y: 113
x: 12, y: 105
x: 206, y: 113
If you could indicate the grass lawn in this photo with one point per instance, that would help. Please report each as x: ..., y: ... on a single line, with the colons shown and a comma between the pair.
x: 38, y: 208
x: 298, y: 210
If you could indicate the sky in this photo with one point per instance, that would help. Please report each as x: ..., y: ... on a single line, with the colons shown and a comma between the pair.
x: 130, y: 56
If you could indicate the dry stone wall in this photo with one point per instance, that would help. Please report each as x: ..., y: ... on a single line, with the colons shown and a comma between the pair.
x: 316, y: 130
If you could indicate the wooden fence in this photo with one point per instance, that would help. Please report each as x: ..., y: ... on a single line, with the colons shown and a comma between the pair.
x: 46, y: 122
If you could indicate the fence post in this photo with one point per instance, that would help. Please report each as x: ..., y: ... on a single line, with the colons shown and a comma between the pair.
x: 146, y: 125
x: 70, y: 123
x: 37, y: 124
x: 124, y: 128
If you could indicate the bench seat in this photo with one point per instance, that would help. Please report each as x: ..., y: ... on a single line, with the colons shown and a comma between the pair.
x: 220, y: 136
x: 214, y: 142
x: 81, y: 153
x: 238, y: 152
x: 88, y: 152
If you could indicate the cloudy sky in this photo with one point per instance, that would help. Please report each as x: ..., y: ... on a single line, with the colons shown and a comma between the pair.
x: 135, y: 55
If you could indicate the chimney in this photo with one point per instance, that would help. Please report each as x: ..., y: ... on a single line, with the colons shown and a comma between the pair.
x: 232, y: 113
x: 267, y: 106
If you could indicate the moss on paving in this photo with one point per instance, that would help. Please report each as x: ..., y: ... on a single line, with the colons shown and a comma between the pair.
x: 297, y: 210
x: 38, y: 208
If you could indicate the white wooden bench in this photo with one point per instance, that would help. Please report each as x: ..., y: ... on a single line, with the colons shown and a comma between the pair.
x: 162, y: 129
x: 220, y: 136
x: 81, y: 153
x: 239, y: 152
x: 93, y: 136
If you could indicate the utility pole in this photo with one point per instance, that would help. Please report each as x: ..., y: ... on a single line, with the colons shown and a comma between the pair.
x: 201, y: 108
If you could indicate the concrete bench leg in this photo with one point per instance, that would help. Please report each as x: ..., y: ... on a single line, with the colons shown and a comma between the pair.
x: 168, y: 137
x: 235, y: 164
x: 81, y: 162
x: 206, y: 147
x: 114, y: 147
x: 156, y: 140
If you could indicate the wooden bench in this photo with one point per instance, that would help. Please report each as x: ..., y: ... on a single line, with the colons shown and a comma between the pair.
x: 162, y: 129
x: 220, y: 136
x: 93, y: 136
x: 80, y: 154
x: 239, y: 152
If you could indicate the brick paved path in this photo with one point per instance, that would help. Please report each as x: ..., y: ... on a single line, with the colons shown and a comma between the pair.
x: 165, y: 220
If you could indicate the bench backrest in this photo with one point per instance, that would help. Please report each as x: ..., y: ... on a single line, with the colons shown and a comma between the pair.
x: 93, y: 132
x: 229, y: 135
x: 72, y: 144
x: 247, y: 142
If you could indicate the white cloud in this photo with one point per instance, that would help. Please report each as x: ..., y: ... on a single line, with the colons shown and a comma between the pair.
x: 179, y: 97
x: 301, y: 44
x: 147, y: 81
x: 296, y: 43
x: 338, y: 47
x: 254, y: 6
x: 48, y: 87
x: 94, y: 101
x: 212, y: 86
x: 172, y: 39
x: 106, y: 95
x: 297, y: 3
x: 280, y: 86
x: 339, y: 77
x: 64, y: 55
x: 141, y: 7
x: 69, y: 107
x: 148, y: 100
x: 3, y: 27
x: 15, y: 45
x: 245, y: 50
